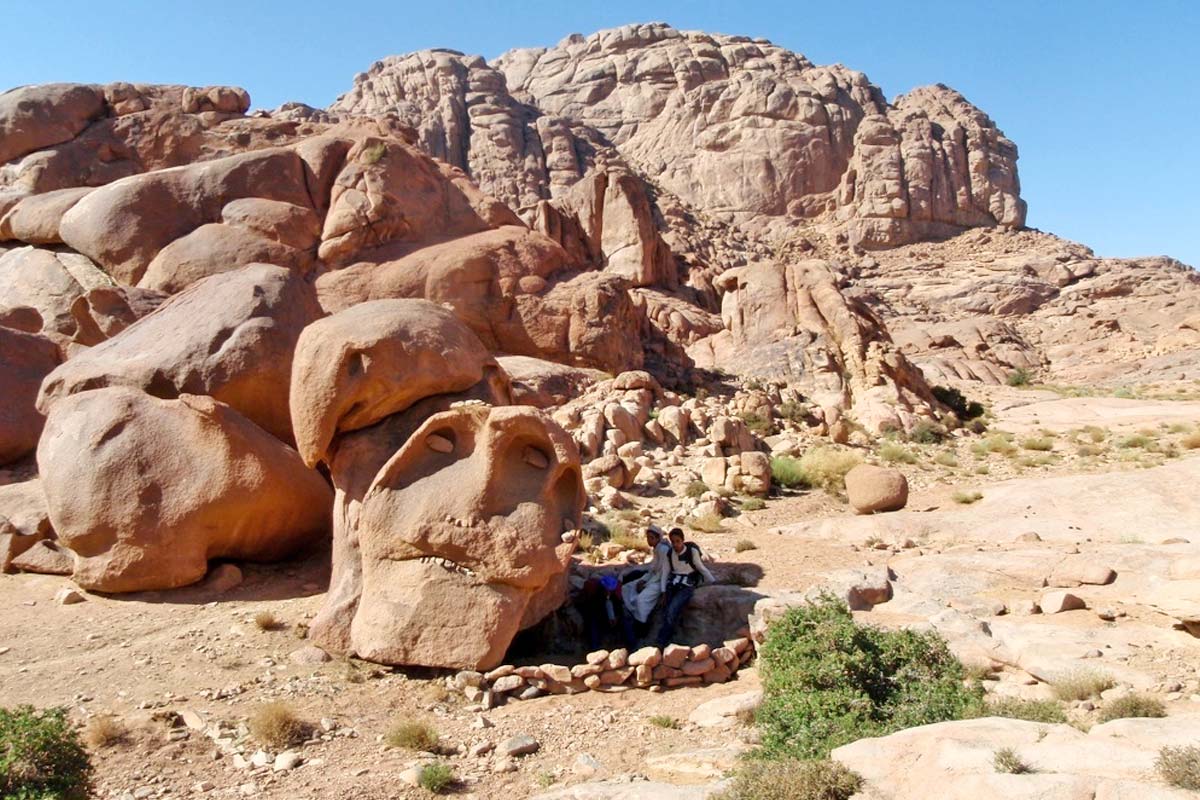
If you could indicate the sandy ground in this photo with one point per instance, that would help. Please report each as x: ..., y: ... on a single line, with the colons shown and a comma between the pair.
x: 144, y: 658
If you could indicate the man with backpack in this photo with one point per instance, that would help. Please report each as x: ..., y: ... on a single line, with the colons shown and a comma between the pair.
x: 685, y: 572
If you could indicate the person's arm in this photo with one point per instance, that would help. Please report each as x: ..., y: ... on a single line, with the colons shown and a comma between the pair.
x: 664, y: 572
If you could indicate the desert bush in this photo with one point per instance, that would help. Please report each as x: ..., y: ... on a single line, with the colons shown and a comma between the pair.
x: 954, y: 400
x: 828, y: 681
x: 705, y: 523
x: 1132, y: 705
x: 621, y: 533
x: 983, y: 469
x: 786, y: 472
x: 996, y: 443
x: 664, y: 721
x: 41, y: 757
x: 1040, y: 460
x: 1081, y: 684
x: 1018, y: 377
x: 946, y: 459
x: 585, y: 541
x: 793, y: 411
x: 412, y: 734
x: 926, y: 431
x: 1124, y: 393
x: 1180, y: 766
x: 792, y: 780
x: 275, y: 725
x: 753, y: 504
x: 1046, y: 711
x: 826, y: 468
x: 744, y: 544
x: 966, y: 498
x: 1088, y: 450
x: 374, y: 153
x: 436, y: 777
x: 696, y: 489
x: 1038, y: 443
x: 893, y: 453
x: 266, y: 621
x: 1135, y: 440
x: 104, y: 730
x: 1007, y: 761
x: 757, y: 424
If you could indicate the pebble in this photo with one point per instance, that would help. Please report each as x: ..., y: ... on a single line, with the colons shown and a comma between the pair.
x: 67, y: 596
x: 520, y: 745
x: 287, y: 760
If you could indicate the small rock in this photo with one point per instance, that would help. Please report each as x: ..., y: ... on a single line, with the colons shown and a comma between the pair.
x: 309, y: 654
x: 287, y: 760
x: 67, y: 596
x: 520, y: 745
x: 1057, y: 602
x: 222, y: 578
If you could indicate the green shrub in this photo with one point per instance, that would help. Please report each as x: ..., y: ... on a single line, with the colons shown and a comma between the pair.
x: 753, y: 504
x: 893, y: 453
x: 41, y: 757
x: 966, y: 498
x: 664, y: 721
x: 1180, y: 766
x: 996, y: 443
x: 1007, y: 761
x: 1046, y: 711
x: 1018, y: 377
x: 786, y: 472
x: 793, y: 411
x: 792, y: 780
x: 828, y: 681
x: 1132, y: 705
x: 758, y: 424
x: 1081, y: 684
x: 744, y: 544
x: 696, y: 489
x: 927, y: 431
x: 826, y: 468
x: 1124, y: 393
x: 413, y: 735
x: 1136, y: 440
x: 436, y: 777
x: 956, y: 402
x: 1038, y: 443
x: 374, y: 153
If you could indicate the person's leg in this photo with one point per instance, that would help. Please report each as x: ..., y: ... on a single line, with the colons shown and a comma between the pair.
x: 677, y: 599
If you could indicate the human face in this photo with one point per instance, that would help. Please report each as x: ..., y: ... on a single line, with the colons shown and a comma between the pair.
x: 677, y: 543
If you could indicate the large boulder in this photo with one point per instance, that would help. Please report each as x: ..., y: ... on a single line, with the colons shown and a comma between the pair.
x: 372, y: 360
x: 450, y: 507
x: 873, y: 489
x: 25, y: 359
x: 33, y: 117
x: 145, y: 491
x: 229, y: 336
x: 49, y: 282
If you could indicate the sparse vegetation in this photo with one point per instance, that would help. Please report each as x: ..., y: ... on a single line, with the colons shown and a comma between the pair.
x: 793, y: 411
x: 1018, y: 377
x: 828, y: 681
x: 926, y: 431
x: 621, y: 533
x: 696, y: 489
x: 705, y: 523
x: 1138, y: 440
x: 436, y: 777
x: 413, y: 734
x: 753, y: 504
x: 758, y: 424
x: 373, y: 153
x: 892, y: 453
x: 1038, y: 443
x: 819, y: 468
x: 744, y: 544
x: 1082, y: 684
x: 792, y: 780
x: 585, y: 541
x: 966, y: 498
x: 104, y: 730
x: 266, y: 621
x: 954, y: 400
x: 664, y: 721
x: 786, y: 472
x: 546, y: 779
x: 1046, y: 711
x: 275, y: 725
x: 1132, y: 705
x: 41, y: 757
x: 1007, y: 760
x: 1180, y: 767
x: 997, y: 443
x: 946, y: 459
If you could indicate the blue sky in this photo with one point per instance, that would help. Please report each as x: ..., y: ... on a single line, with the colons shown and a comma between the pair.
x: 1102, y: 97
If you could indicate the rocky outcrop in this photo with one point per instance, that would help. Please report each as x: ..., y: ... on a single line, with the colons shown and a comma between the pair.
x: 447, y: 500
x: 25, y: 360
x: 145, y: 491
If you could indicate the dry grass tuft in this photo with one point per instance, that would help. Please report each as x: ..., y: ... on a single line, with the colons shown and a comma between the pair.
x: 413, y: 735
x: 104, y: 731
x: 744, y: 544
x: 275, y: 725
x: 966, y: 498
x: 706, y: 523
x: 1007, y: 761
x: 1132, y: 705
x: 1180, y: 766
x: 1082, y: 684
x: 266, y: 621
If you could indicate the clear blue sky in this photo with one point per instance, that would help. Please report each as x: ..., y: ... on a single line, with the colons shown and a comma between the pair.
x: 1101, y: 96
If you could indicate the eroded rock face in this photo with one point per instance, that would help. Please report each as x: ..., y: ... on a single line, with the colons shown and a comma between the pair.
x: 145, y: 491
x: 228, y: 336
x: 25, y: 360
x: 436, y: 502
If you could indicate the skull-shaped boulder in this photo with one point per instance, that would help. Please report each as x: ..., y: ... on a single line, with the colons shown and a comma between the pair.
x: 450, y: 508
